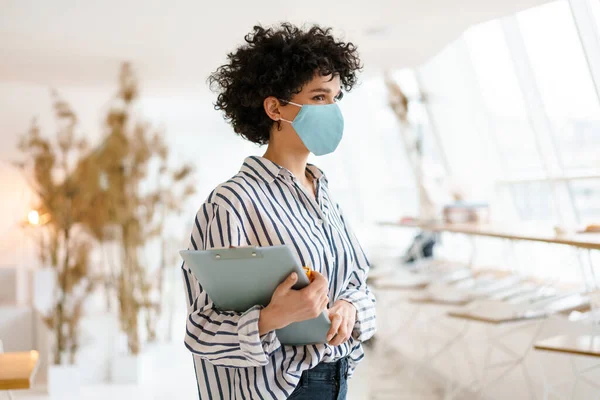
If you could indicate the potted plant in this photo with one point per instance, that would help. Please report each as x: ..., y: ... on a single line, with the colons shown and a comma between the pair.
x: 63, y: 245
x: 137, y: 191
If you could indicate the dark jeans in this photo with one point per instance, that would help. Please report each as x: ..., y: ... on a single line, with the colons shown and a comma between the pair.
x: 326, y: 381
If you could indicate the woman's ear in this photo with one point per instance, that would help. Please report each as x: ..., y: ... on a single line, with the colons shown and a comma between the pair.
x: 272, y: 108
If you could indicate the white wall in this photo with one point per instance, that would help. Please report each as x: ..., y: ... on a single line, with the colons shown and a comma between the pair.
x: 8, y: 280
x: 16, y: 328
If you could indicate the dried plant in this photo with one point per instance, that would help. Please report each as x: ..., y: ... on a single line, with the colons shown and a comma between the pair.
x: 118, y: 194
x: 413, y: 144
x: 62, y: 245
x: 138, y: 192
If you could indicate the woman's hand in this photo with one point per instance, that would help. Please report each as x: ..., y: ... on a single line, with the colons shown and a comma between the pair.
x: 343, y: 318
x: 289, y: 305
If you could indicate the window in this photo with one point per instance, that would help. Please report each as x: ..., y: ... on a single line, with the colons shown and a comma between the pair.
x: 504, y: 103
x: 564, y: 82
x: 534, y: 201
x: 450, y: 95
x: 585, y: 195
x: 595, y: 6
x: 515, y: 107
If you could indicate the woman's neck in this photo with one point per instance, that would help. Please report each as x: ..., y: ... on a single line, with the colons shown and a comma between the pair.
x: 294, y: 162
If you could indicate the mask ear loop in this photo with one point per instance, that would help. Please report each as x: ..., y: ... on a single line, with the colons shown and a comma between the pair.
x: 289, y: 102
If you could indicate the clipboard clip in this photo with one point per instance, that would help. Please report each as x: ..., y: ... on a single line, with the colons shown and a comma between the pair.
x: 238, y: 253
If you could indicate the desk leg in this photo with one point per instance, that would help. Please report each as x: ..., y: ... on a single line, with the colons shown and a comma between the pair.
x: 425, y: 326
x: 516, y: 362
x: 574, y: 388
x: 429, y: 358
x: 551, y: 388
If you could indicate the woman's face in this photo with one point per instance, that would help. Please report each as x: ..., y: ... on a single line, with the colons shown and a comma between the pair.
x: 320, y: 90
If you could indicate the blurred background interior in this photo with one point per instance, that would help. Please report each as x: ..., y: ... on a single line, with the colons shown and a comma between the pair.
x: 470, y: 169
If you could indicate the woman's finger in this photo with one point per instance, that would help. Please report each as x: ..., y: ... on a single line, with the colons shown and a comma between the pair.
x: 340, y: 337
x: 319, y: 282
x: 336, y: 321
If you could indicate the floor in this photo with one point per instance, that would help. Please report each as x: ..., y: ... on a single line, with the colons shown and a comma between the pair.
x: 375, y: 379
x: 370, y: 381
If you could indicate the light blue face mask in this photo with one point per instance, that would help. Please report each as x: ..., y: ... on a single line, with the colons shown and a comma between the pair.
x: 320, y: 127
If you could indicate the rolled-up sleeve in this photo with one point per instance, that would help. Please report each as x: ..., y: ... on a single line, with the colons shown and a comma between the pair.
x: 357, y: 292
x: 224, y: 338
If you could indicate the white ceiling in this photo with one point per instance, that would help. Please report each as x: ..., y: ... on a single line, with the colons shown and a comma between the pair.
x: 179, y: 42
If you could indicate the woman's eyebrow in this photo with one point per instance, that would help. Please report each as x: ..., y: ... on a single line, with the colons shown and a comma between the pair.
x: 321, y: 89
x: 324, y: 90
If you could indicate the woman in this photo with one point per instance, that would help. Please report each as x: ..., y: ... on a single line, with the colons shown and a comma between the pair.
x: 281, y: 89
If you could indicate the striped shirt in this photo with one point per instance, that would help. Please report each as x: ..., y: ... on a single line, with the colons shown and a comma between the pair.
x: 265, y: 205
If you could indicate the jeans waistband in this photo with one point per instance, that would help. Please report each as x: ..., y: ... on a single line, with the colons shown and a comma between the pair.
x: 334, y: 371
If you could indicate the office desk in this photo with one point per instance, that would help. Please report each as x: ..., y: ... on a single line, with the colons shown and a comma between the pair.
x: 17, y: 370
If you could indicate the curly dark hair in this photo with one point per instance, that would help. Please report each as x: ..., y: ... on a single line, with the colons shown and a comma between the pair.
x: 277, y: 62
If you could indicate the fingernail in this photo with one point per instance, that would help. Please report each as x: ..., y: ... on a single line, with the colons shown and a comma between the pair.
x: 329, y: 337
x: 294, y: 275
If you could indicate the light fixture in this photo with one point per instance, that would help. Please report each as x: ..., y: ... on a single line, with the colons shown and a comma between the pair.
x: 33, y: 217
x: 379, y: 31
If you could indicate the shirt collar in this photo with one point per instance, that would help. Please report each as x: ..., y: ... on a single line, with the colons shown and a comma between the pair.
x: 316, y: 172
x: 268, y: 171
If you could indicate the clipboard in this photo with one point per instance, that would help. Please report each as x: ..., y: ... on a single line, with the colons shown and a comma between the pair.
x: 239, y: 278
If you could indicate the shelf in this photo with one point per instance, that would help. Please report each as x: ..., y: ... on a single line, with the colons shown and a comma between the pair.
x: 586, y: 240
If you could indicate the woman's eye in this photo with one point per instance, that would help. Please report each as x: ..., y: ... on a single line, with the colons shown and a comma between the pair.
x: 319, y: 98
